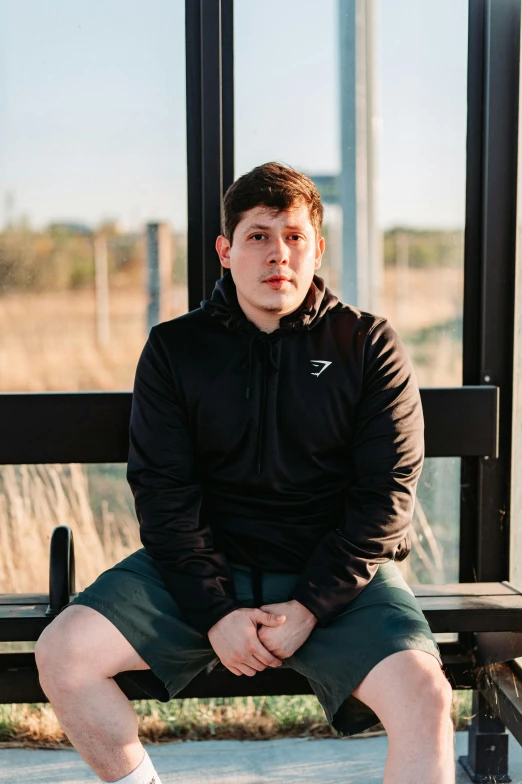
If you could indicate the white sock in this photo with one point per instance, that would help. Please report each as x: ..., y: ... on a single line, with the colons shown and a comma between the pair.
x: 145, y: 773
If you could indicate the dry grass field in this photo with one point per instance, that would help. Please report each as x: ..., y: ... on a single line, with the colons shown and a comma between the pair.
x: 48, y: 339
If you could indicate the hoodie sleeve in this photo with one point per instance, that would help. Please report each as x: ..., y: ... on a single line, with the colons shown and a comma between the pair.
x: 388, y: 454
x: 167, y: 495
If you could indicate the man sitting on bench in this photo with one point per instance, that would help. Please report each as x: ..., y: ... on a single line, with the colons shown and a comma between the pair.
x: 276, y: 442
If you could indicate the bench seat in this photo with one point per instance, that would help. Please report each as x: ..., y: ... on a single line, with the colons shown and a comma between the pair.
x: 457, y: 607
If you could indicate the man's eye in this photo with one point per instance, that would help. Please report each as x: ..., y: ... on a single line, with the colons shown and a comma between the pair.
x: 257, y: 235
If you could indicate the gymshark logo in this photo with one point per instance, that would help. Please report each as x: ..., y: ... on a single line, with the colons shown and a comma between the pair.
x: 317, y: 362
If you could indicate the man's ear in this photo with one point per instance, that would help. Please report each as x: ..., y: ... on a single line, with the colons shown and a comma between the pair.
x: 223, y: 250
x: 319, y: 251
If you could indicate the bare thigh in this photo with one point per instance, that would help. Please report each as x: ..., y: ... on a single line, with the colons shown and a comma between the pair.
x: 84, y: 637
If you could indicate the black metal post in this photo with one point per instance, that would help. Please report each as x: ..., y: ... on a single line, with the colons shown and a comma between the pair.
x: 227, y: 92
x: 492, y: 149
x: 487, y: 759
x: 210, y: 141
x: 489, y: 285
x: 194, y: 162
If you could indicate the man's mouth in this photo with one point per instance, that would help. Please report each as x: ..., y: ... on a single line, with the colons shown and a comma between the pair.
x: 277, y: 283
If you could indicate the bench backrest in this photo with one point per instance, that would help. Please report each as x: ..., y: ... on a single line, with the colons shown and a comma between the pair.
x: 93, y: 427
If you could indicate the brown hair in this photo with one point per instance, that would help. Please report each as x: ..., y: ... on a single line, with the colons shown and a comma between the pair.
x: 275, y: 185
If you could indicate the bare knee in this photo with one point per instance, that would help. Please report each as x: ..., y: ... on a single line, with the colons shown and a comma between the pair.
x: 58, y: 657
x: 79, y: 645
x: 435, y: 698
x: 410, y: 693
x: 427, y: 706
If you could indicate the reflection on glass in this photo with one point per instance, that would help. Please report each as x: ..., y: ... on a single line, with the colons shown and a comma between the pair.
x: 93, y: 153
x: 434, y: 555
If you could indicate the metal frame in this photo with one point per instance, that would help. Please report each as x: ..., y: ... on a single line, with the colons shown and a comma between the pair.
x: 489, y: 265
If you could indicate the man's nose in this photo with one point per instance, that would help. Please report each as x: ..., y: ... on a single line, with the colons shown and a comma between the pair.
x: 278, y: 251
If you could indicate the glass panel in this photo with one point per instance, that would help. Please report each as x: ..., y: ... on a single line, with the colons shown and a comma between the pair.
x: 93, y: 151
x: 383, y: 135
x: 92, y: 168
x: 95, y: 501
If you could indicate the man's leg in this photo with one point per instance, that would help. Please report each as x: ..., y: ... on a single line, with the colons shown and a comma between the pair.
x: 77, y: 656
x: 412, y: 697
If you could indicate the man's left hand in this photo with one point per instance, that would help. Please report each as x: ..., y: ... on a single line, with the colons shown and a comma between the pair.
x: 283, y: 641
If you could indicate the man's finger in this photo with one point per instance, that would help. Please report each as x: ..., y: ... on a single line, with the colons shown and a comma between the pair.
x: 268, y: 619
x: 265, y: 656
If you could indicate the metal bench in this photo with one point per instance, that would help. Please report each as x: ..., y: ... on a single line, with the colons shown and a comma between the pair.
x: 92, y: 427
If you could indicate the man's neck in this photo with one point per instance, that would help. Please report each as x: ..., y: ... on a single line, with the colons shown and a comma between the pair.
x: 266, y: 322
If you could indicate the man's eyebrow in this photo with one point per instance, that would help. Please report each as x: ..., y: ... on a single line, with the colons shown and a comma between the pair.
x: 266, y: 228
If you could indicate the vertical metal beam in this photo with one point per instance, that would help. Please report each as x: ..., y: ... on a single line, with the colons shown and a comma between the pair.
x: 194, y: 160
x: 210, y: 137
x: 498, y: 271
x: 472, y: 276
x: 227, y: 92
x: 490, y: 242
x: 489, y: 284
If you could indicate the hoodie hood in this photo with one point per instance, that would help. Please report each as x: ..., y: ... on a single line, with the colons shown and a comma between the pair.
x: 224, y: 306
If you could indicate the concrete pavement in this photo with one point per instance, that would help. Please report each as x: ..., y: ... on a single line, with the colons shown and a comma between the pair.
x: 285, y: 761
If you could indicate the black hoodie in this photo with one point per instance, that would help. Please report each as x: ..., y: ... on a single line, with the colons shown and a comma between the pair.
x: 296, y: 451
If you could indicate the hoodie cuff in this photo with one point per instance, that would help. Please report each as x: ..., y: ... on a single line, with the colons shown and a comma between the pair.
x: 323, y: 611
x: 204, y: 620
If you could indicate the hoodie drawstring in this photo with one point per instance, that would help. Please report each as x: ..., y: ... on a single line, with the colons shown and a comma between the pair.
x: 257, y: 585
x: 267, y: 348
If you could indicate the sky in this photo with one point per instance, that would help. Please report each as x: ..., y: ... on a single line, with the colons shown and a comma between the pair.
x: 92, y: 105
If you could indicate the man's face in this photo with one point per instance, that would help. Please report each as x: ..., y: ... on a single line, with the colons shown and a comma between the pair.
x: 269, y: 245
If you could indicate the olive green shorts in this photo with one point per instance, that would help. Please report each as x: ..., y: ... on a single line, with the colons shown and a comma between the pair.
x: 384, y: 618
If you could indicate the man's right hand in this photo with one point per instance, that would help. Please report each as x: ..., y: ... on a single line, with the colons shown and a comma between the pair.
x: 235, y: 641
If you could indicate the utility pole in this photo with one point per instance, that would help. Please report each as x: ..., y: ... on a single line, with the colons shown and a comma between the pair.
x: 101, y: 277
x: 159, y: 272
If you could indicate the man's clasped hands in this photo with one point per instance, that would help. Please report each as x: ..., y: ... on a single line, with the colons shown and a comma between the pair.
x: 245, y: 649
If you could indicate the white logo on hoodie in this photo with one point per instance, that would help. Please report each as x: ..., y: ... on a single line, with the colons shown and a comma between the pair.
x: 317, y: 362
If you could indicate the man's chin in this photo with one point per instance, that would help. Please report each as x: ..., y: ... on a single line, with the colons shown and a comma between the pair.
x: 280, y: 302
x: 281, y: 309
